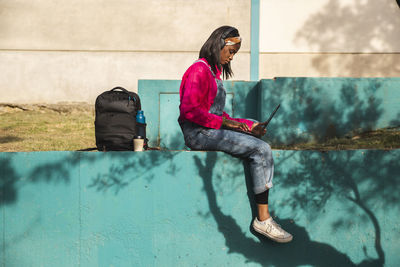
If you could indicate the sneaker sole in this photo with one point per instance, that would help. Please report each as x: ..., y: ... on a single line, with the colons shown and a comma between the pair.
x: 279, y: 240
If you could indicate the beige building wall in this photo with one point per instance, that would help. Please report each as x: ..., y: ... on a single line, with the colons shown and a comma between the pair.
x: 329, y: 38
x: 53, y: 51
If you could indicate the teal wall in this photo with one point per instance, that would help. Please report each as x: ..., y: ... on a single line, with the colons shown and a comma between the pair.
x: 179, y: 208
x: 312, y: 109
x: 316, y: 109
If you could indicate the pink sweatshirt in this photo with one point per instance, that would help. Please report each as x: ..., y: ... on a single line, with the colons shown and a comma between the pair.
x: 197, y: 92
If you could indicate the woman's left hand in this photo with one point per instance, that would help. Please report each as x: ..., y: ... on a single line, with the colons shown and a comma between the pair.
x: 258, y: 130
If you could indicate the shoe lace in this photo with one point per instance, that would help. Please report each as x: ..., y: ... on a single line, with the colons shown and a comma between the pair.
x: 276, y: 225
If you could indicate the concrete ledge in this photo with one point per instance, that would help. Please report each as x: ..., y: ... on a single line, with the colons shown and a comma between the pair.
x: 179, y: 208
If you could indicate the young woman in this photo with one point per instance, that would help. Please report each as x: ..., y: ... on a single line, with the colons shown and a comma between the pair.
x: 206, y: 126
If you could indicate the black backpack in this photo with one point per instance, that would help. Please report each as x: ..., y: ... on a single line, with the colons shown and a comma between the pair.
x: 115, y: 122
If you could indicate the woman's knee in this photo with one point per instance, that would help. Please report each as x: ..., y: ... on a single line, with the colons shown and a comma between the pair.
x: 264, y: 148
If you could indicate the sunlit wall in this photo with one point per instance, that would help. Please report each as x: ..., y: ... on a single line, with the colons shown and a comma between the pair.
x: 329, y: 38
x: 53, y: 51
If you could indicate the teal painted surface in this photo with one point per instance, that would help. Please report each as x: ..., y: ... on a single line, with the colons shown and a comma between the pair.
x: 179, y: 208
x: 245, y: 98
x: 40, y: 199
x: 255, y: 40
x: 2, y: 220
x: 312, y: 109
x: 149, y: 92
x: 321, y: 108
x: 160, y: 99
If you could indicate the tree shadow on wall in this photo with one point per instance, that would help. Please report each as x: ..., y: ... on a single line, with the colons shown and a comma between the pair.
x: 264, y: 251
x: 318, y: 110
x: 51, y: 172
x: 362, y: 26
x: 302, y: 250
x: 363, y: 178
x: 115, y: 172
x: 113, y: 178
x: 246, y: 100
x: 116, y: 178
x: 8, y: 190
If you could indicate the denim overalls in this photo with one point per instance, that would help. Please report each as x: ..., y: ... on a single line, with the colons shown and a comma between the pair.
x: 257, y: 152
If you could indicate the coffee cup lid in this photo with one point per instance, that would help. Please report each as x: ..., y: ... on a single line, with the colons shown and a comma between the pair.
x: 138, y: 137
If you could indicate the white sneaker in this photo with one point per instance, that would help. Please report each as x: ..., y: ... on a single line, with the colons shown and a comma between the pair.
x: 272, y: 230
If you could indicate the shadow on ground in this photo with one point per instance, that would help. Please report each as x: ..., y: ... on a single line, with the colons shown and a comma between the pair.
x: 9, y: 139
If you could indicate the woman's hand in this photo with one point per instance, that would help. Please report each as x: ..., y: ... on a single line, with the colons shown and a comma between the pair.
x: 230, y: 124
x: 258, y: 130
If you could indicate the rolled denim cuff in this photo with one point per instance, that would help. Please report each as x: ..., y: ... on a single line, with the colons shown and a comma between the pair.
x: 259, y: 190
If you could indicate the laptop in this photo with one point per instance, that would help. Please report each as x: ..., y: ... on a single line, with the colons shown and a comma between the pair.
x: 263, y: 124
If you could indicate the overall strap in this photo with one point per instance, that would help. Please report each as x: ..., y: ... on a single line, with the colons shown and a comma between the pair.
x: 213, y: 74
x: 207, y: 66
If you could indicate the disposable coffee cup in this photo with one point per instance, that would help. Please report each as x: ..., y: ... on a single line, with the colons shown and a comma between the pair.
x: 138, y: 143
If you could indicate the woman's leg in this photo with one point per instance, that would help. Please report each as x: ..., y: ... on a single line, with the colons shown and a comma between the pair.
x: 259, y: 155
x: 262, y: 205
x: 263, y: 212
x: 255, y: 151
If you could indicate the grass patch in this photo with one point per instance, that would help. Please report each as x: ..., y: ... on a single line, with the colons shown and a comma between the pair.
x: 46, y: 127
